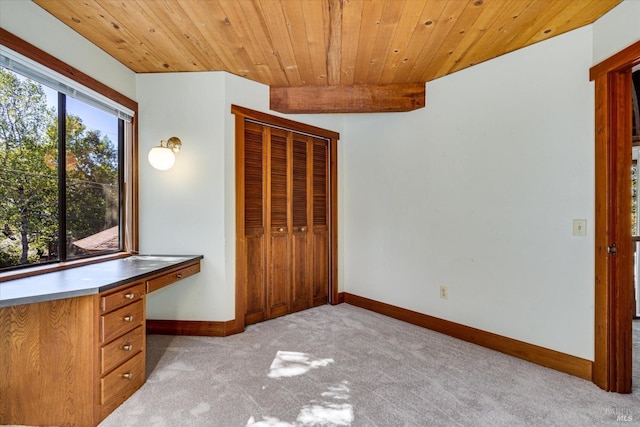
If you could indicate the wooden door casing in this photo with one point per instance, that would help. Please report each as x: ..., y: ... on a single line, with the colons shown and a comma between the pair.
x: 613, y: 269
x: 619, y: 217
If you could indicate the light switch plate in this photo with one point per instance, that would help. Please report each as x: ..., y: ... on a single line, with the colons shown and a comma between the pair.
x: 580, y: 227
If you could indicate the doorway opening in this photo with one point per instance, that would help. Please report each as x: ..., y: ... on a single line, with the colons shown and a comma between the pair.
x: 635, y: 219
x: 635, y: 143
x: 635, y: 227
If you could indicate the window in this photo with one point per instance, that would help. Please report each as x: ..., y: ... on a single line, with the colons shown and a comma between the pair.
x: 50, y: 214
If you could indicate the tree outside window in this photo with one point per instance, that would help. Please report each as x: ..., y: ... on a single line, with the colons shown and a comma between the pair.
x: 35, y: 209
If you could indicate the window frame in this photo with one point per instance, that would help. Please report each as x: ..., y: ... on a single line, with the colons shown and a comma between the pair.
x: 129, y: 190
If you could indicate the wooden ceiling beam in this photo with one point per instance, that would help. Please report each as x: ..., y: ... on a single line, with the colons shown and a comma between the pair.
x: 361, y: 98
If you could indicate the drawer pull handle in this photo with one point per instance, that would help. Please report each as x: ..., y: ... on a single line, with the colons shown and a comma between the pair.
x: 129, y: 295
x: 280, y: 230
x: 127, y: 318
x: 127, y: 347
x: 179, y: 275
x: 127, y: 376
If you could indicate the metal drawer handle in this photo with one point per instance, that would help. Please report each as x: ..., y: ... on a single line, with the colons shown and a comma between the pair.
x: 127, y: 347
x: 129, y: 296
x: 127, y: 318
x: 127, y: 376
x: 280, y: 229
x: 179, y: 275
x: 302, y: 228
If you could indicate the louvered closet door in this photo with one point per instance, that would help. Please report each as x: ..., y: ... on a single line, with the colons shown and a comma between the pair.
x: 279, y: 276
x: 302, y: 294
x: 254, y: 228
x: 319, y: 251
x: 286, y: 212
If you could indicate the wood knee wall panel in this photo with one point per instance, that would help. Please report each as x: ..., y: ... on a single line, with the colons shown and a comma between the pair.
x: 48, y: 358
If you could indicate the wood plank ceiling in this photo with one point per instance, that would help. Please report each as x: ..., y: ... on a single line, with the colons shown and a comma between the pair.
x: 371, y: 52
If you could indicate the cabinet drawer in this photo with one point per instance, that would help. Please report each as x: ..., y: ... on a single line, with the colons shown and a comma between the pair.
x: 117, y: 386
x: 121, y: 298
x: 172, y: 277
x: 121, y: 321
x: 116, y: 352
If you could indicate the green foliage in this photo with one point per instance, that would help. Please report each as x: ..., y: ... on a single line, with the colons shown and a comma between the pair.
x: 92, y: 186
x: 29, y: 175
x: 27, y: 186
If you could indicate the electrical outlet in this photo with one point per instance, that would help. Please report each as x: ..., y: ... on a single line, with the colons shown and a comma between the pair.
x: 444, y: 292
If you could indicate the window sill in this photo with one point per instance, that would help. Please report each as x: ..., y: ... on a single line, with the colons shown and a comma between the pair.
x: 42, y: 269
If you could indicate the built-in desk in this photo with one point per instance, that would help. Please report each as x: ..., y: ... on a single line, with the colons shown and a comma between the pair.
x: 72, y: 342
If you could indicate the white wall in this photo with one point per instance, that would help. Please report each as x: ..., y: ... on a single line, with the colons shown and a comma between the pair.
x: 33, y: 24
x: 182, y: 209
x: 477, y: 192
x: 249, y: 94
x: 191, y: 208
x: 616, y: 30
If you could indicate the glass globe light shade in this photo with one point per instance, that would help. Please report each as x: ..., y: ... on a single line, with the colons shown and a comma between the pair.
x: 161, y: 158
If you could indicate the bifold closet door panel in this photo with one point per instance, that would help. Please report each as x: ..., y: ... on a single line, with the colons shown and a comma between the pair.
x: 254, y: 231
x: 255, y: 296
x: 285, y: 246
x: 278, y: 207
x: 320, y: 216
x: 301, y: 212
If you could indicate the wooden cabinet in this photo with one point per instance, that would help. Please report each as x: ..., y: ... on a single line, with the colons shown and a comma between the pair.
x: 121, y: 383
x: 285, y: 241
x: 71, y: 362
x: 110, y: 301
x: 172, y: 276
x: 121, y: 349
x: 122, y: 345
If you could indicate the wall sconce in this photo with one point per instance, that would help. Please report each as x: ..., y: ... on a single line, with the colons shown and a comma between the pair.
x: 162, y: 157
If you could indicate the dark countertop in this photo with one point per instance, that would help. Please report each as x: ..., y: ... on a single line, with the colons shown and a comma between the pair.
x: 88, y: 279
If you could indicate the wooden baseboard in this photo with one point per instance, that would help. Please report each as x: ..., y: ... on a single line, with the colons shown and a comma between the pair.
x: 193, y: 327
x: 542, y: 356
x: 340, y: 298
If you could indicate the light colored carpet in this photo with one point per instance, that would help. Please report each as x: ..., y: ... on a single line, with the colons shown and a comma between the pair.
x: 342, y: 365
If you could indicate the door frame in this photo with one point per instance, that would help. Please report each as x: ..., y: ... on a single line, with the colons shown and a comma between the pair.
x: 612, y: 369
x: 241, y: 114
